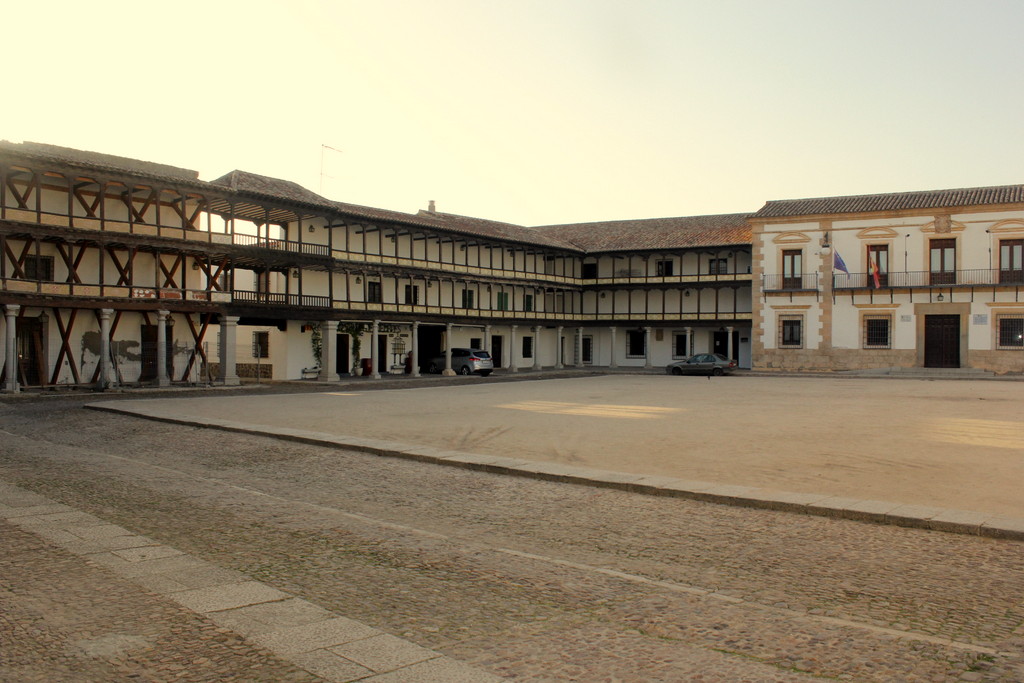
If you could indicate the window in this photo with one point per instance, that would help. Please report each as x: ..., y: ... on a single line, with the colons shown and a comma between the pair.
x: 589, y: 271
x: 528, y: 302
x: 877, y: 331
x: 412, y: 294
x: 635, y: 344
x: 261, y: 345
x: 1011, y: 331
x: 878, y: 265
x: 502, y: 301
x: 467, y: 298
x: 791, y: 331
x: 39, y: 268
x: 792, y: 269
x: 527, y: 347
x: 718, y: 266
x: 373, y: 293
x: 476, y: 343
x: 680, y: 345
x: 1011, y: 261
x: 664, y: 268
x: 942, y: 262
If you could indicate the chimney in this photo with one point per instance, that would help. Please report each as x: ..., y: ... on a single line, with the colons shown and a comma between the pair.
x: 430, y: 207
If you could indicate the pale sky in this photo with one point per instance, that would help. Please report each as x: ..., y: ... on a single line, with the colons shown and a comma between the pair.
x: 534, y: 111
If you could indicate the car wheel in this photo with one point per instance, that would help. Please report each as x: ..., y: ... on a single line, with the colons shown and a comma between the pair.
x: 464, y: 370
x: 717, y: 372
x: 433, y: 369
x: 677, y: 370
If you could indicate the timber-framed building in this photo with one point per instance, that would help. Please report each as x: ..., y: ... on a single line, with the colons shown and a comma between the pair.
x: 118, y: 271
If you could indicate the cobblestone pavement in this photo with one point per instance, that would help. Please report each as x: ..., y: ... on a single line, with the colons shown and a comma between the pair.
x: 526, y: 579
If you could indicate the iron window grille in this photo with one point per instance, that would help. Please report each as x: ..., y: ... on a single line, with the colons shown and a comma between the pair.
x: 791, y: 332
x: 877, y: 331
x: 1011, y: 331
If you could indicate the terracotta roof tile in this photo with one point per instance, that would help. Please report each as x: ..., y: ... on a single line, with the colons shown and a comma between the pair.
x: 482, y: 227
x: 656, y: 233
x: 895, y: 201
x: 97, y: 161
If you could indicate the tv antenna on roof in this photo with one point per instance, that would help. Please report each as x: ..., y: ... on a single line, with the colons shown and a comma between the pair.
x: 324, y: 148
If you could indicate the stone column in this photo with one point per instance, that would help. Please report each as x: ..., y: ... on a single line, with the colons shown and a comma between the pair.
x: 613, y: 363
x: 228, y: 354
x: 558, y: 348
x: 512, y: 367
x: 647, y: 348
x: 688, y: 351
x: 11, y: 347
x: 536, y: 347
x: 162, y: 380
x: 374, y: 359
x: 728, y: 343
x: 329, y: 351
x: 105, y: 315
x: 579, y: 347
x: 416, y: 349
x: 487, y: 339
x: 448, y: 351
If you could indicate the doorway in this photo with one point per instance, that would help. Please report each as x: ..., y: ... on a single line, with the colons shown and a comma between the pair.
x: 342, y: 356
x: 942, y: 341
x: 720, y: 344
x: 429, y: 340
x: 383, y: 359
x: 149, y: 351
x: 588, y: 349
x: 31, y: 356
x: 497, y: 349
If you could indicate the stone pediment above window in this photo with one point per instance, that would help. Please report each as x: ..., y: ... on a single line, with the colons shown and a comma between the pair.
x: 791, y: 238
x: 877, y: 234
x: 1013, y: 225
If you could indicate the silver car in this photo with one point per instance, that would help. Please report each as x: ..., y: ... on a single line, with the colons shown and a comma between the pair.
x: 702, y: 364
x: 465, y: 362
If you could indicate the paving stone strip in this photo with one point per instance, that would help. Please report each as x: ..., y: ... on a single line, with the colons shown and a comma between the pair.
x: 330, y: 646
x: 876, y: 511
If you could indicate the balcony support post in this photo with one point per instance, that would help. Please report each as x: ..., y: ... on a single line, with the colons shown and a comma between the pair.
x: 512, y: 367
x: 416, y: 348
x: 328, y: 350
x: 162, y: 380
x: 374, y: 356
x: 558, y: 348
x: 228, y: 358
x: 536, y: 347
x: 11, y: 348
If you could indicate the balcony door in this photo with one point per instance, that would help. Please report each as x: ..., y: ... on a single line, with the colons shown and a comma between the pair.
x: 1011, y: 263
x: 942, y: 262
x: 878, y: 265
x: 792, y: 269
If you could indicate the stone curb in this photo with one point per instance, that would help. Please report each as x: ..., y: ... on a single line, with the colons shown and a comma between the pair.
x: 327, y: 645
x: 875, y: 511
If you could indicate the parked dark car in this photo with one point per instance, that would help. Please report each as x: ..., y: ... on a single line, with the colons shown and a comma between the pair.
x: 702, y: 364
x: 465, y: 362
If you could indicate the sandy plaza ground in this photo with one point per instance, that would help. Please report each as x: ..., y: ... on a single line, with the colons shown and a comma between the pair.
x: 948, y: 443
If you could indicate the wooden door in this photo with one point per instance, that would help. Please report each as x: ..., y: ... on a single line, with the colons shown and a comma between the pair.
x: 149, y: 351
x: 31, y: 357
x: 942, y: 341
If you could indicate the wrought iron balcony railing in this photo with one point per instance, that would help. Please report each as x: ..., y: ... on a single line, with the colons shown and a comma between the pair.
x: 979, y: 277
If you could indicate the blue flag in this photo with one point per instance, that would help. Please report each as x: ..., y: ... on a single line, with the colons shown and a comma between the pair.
x: 838, y: 263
